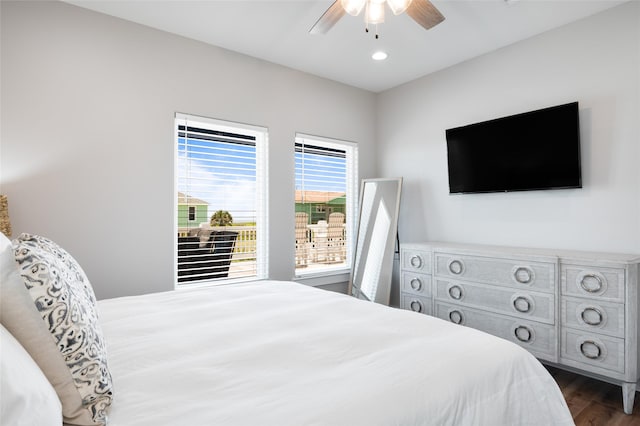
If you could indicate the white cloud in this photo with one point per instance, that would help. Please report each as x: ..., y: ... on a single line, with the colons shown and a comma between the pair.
x: 232, y: 193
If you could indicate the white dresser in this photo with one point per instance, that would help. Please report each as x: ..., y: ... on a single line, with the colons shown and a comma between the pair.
x: 574, y: 310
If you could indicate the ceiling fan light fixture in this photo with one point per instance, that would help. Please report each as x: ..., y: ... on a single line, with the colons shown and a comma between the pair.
x: 423, y: 12
x: 353, y: 7
x: 398, y: 6
x: 374, y: 13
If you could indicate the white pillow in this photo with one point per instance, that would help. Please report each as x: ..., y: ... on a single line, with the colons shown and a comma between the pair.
x: 26, y: 396
x: 49, y: 306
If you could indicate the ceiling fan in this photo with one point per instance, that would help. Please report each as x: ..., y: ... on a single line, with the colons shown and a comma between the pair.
x: 421, y: 11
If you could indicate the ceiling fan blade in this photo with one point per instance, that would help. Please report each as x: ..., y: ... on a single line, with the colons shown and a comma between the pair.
x: 328, y: 19
x: 424, y: 13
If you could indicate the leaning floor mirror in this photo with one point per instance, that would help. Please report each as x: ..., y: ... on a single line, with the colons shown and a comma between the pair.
x: 376, y: 239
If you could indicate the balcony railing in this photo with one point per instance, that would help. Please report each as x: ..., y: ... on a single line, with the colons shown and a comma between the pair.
x: 319, y: 251
x: 245, y: 246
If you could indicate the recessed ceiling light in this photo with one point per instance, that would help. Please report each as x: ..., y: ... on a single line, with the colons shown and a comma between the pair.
x: 379, y: 56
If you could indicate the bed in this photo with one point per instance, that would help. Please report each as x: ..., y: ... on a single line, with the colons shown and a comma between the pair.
x: 282, y: 353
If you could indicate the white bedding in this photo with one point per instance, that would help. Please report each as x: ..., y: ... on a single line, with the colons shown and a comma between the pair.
x: 280, y: 353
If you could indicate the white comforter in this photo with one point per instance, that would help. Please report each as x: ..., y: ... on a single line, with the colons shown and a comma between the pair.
x: 280, y: 353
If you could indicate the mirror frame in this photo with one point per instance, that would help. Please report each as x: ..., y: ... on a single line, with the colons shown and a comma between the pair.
x: 362, y: 244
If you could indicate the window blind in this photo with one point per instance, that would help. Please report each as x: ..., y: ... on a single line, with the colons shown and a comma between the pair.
x: 326, y: 184
x: 221, y: 200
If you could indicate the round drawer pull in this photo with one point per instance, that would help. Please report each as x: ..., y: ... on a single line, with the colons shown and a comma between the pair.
x: 416, y: 284
x: 416, y: 261
x: 456, y: 317
x: 522, y: 304
x: 416, y: 306
x: 455, y: 292
x: 589, y: 321
x: 523, y: 275
x: 456, y: 267
x: 590, y: 343
x: 584, y: 283
x: 523, y: 333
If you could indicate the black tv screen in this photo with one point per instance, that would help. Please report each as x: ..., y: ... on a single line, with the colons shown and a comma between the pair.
x: 529, y: 151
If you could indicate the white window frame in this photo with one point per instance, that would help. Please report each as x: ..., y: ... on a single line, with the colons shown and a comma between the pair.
x: 352, y: 180
x: 261, y: 135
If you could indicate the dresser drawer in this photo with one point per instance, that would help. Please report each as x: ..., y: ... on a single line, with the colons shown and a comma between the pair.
x: 516, y: 302
x: 538, y: 276
x: 415, y: 303
x: 593, y: 315
x: 539, y: 339
x: 600, y: 283
x: 416, y: 261
x: 419, y: 284
x: 589, y: 350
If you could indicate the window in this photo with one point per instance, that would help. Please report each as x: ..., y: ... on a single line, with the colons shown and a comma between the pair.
x: 221, y: 196
x: 325, y: 200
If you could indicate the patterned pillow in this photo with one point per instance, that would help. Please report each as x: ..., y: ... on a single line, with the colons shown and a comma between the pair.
x: 66, y: 341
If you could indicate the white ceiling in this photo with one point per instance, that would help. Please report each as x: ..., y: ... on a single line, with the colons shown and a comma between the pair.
x: 277, y: 31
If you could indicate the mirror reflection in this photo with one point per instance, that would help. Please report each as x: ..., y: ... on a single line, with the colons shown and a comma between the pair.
x: 377, y: 227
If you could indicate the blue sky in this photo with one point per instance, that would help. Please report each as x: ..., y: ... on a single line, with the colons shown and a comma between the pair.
x: 322, y: 173
x: 223, y: 174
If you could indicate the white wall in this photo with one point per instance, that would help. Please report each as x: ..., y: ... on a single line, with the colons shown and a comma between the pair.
x: 594, y: 61
x: 87, y: 152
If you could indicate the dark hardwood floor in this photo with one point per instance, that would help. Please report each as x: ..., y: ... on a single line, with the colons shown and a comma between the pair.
x: 594, y: 403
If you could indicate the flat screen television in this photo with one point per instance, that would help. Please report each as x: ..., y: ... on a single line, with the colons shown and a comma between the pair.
x: 530, y: 151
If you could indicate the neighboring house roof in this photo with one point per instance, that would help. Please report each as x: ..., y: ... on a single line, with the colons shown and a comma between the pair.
x: 319, y: 197
x: 188, y: 199
x: 338, y: 201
